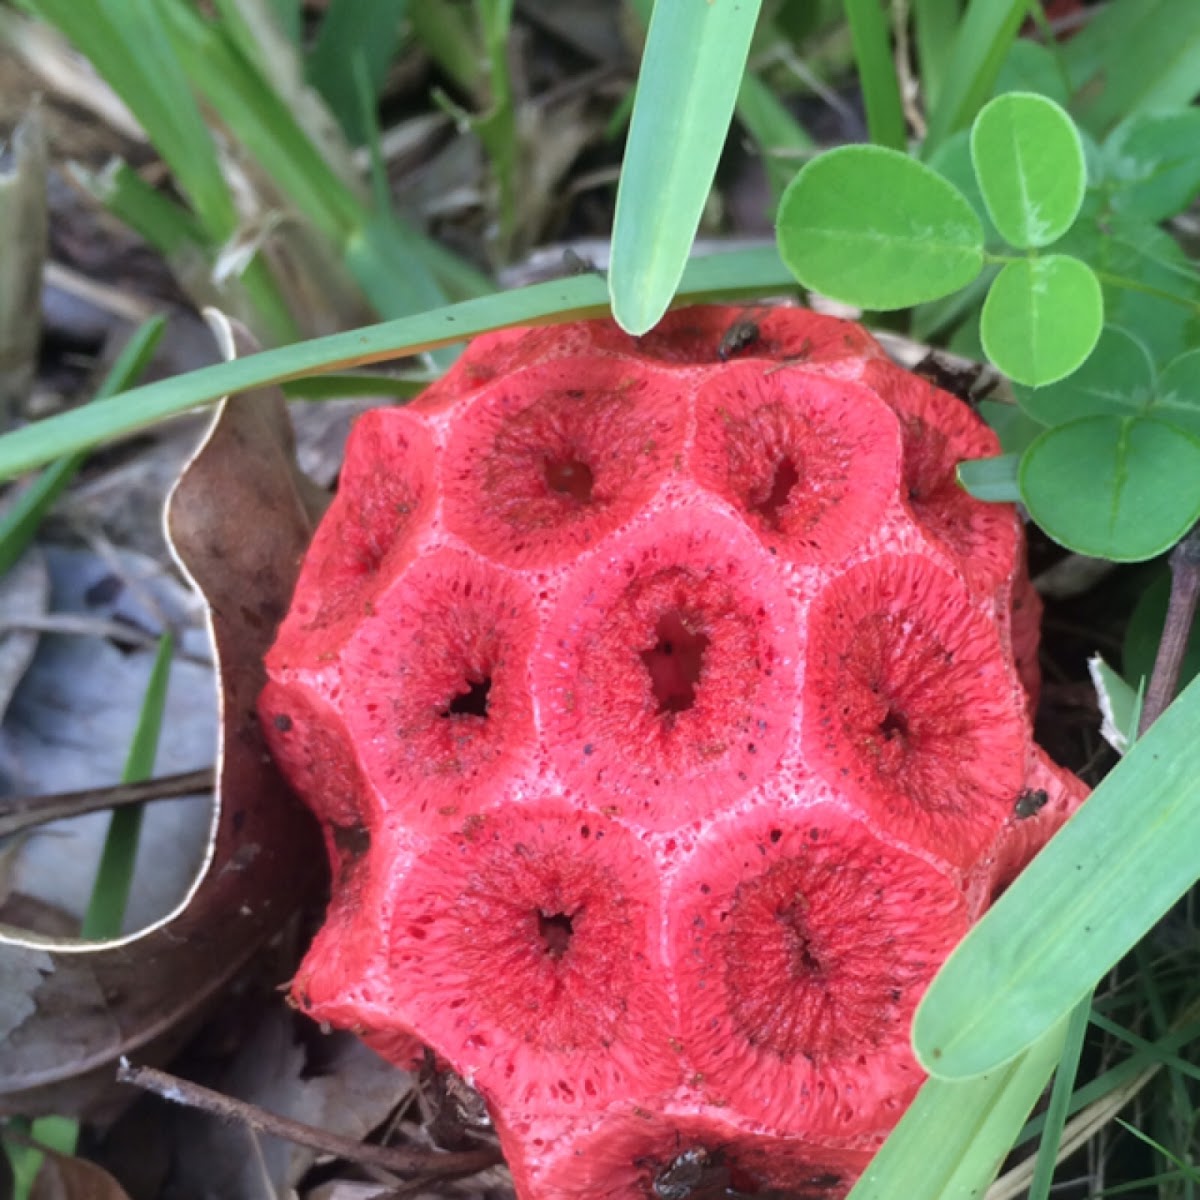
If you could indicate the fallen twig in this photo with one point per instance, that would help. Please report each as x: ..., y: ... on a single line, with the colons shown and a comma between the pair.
x: 18, y: 813
x: 429, y: 1163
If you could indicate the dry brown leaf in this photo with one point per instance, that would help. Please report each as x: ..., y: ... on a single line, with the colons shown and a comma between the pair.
x: 238, y: 520
x: 64, y: 1177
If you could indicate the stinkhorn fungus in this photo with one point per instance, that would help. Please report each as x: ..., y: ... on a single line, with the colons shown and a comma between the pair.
x: 666, y: 705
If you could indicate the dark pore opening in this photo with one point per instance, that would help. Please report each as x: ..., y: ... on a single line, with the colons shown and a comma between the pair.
x: 786, y: 476
x: 570, y: 477
x: 804, y: 961
x: 352, y: 841
x: 675, y: 662
x: 555, y: 930
x: 894, y: 725
x: 471, y: 703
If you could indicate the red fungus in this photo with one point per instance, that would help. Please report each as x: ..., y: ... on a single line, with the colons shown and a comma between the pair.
x: 384, y: 502
x: 667, y: 673
x: 912, y: 707
x: 546, y: 463
x: 525, y: 949
x: 681, y: 1153
x: 788, y: 450
x: 800, y: 944
x: 940, y: 431
x: 434, y: 686
x: 666, y: 704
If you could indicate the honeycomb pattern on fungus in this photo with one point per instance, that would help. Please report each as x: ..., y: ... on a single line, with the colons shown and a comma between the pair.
x: 666, y: 705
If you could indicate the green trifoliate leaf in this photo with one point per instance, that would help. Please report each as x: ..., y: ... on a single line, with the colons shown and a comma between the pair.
x: 875, y: 228
x: 1113, y: 487
x: 1117, y: 378
x: 1042, y: 318
x: 1030, y: 166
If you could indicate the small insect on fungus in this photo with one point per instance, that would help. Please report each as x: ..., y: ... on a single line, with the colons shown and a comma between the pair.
x: 701, y: 1174
x: 970, y: 382
x: 1030, y: 802
x: 741, y: 335
x: 690, y: 1175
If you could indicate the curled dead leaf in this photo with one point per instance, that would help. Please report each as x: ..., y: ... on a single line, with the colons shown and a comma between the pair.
x: 65, y: 1177
x: 238, y: 521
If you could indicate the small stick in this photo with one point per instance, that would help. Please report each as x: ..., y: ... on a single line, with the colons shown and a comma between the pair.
x: 18, y: 813
x: 1181, y: 609
x: 434, y: 1163
x: 414, y: 1187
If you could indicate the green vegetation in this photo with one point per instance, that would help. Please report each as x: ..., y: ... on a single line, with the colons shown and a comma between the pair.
x: 1020, y: 202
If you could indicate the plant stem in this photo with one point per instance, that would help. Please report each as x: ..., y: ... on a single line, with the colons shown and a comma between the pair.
x: 1181, y: 610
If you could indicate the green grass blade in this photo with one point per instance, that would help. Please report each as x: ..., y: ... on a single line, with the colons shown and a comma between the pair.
x: 190, y: 251
x: 354, y: 31
x: 288, y: 14
x: 984, y: 37
x: 55, y: 1133
x: 497, y: 128
x: 387, y: 239
x: 877, y: 73
x: 1118, y: 1077
x: 385, y: 264
x: 954, y: 1136
x: 458, y: 277
x: 449, y: 39
x: 377, y: 249
x: 935, y: 23
x: 1060, y: 1101
x: 1157, y: 1051
x: 129, y: 46
x: 1134, y: 58
x: 154, y: 216
x: 20, y: 522
x: 1185, y: 1171
x: 351, y: 384
x: 740, y: 275
x: 114, y: 877
x: 260, y: 121
x: 992, y: 479
x: 688, y: 86
x: 781, y: 139
x: 1102, y: 882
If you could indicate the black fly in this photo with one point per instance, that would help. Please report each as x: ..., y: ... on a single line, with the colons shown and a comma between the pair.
x: 741, y: 335
x: 959, y: 379
x: 700, y: 1174
x: 691, y: 1175
x: 575, y: 263
x: 1030, y: 802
